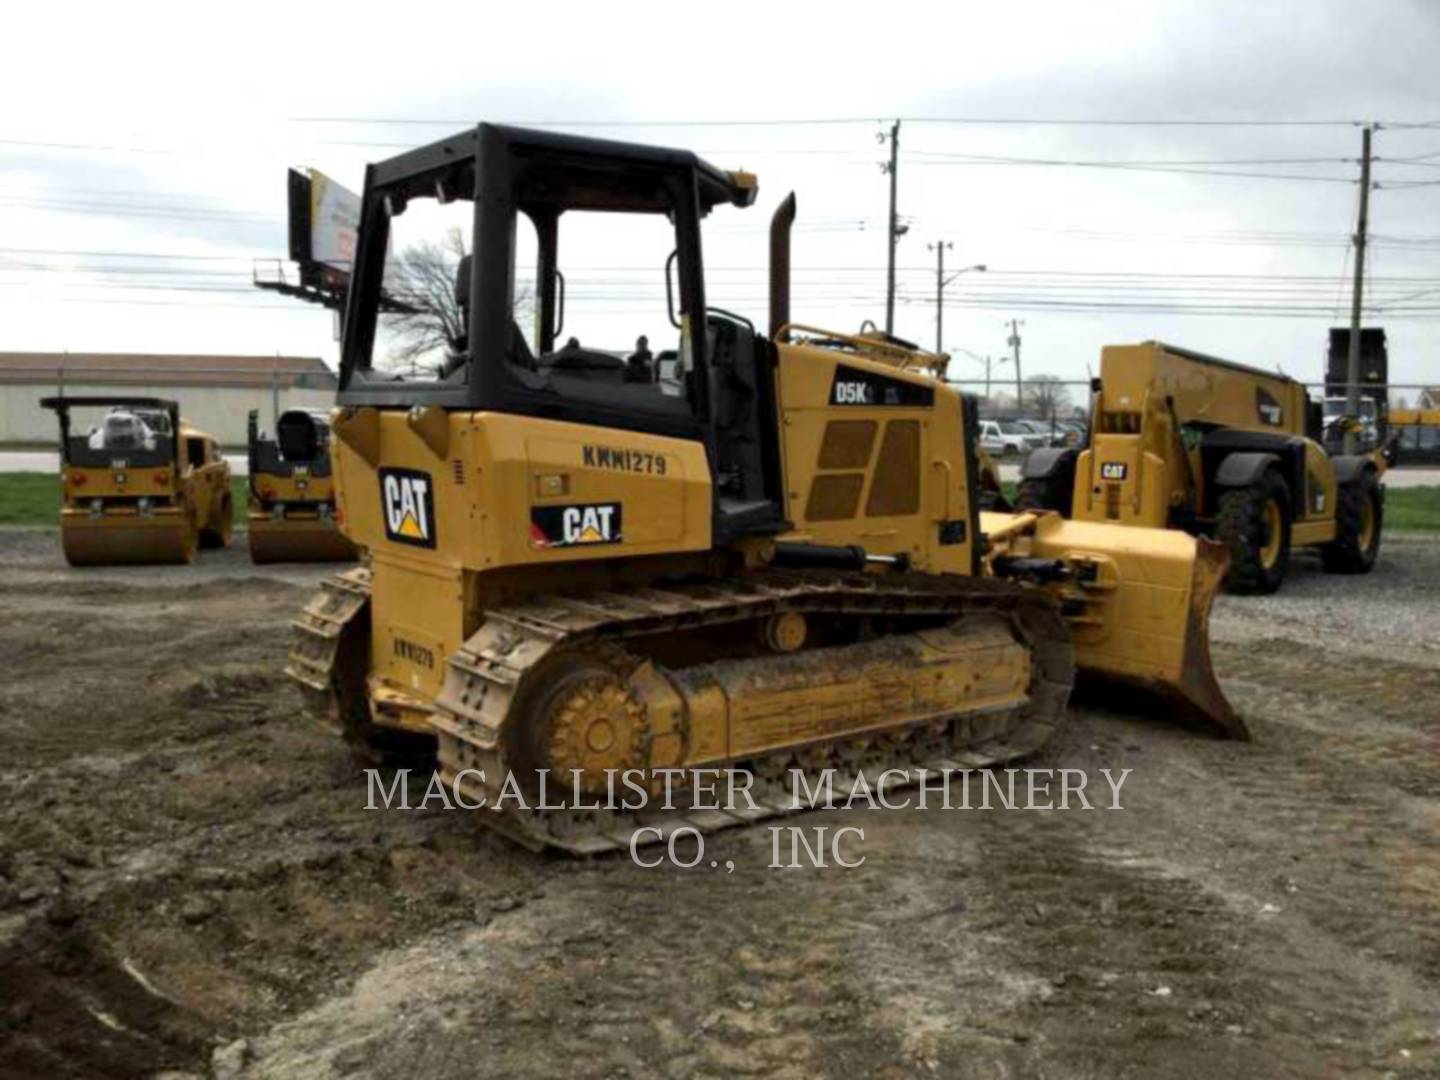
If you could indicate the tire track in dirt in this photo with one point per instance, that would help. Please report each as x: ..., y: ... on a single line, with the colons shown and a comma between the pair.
x: 190, y: 825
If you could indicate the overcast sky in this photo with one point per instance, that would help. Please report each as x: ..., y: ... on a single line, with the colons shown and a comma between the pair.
x: 157, y: 130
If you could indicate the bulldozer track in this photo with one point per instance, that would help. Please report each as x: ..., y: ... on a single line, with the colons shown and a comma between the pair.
x: 318, y: 634
x: 486, y: 674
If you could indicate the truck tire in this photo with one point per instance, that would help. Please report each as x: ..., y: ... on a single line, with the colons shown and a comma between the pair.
x: 1045, y: 493
x: 1254, y: 523
x: 1358, y: 515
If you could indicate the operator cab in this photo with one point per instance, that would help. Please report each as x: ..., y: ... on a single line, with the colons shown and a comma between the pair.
x: 527, y: 272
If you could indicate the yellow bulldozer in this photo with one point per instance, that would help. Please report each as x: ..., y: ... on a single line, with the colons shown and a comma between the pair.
x: 292, y: 495
x: 761, y: 550
x: 140, y: 486
x: 1187, y: 441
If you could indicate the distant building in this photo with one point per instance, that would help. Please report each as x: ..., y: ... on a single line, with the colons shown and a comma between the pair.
x: 1429, y: 398
x: 215, y: 392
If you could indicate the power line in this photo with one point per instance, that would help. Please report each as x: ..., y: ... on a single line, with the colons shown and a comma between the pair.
x: 826, y: 121
x: 125, y: 254
x: 1121, y: 166
x: 1123, y: 162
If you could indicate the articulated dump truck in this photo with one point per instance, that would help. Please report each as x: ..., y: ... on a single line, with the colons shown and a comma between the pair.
x: 292, y: 497
x: 761, y: 551
x: 140, y: 486
x: 1187, y: 441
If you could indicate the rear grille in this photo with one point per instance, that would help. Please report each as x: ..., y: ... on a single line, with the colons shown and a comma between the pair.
x: 847, y: 444
x: 1112, y: 501
x: 458, y: 468
x: 895, y: 490
x: 834, y: 496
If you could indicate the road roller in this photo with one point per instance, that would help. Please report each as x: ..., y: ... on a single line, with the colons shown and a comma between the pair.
x: 140, y: 486
x: 292, y: 497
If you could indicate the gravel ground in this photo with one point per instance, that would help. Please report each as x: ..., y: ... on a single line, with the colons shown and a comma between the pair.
x: 190, y: 881
x: 1392, y: 612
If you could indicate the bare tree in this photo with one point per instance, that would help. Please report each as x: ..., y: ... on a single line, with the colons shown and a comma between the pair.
x: 1047, y: 396
x: 429, y: 326
x: 428, y: 323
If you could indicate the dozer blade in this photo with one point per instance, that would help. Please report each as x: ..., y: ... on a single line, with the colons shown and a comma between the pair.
x: 1138, y: 605
x: 297, y: 540
x: 116, y: 540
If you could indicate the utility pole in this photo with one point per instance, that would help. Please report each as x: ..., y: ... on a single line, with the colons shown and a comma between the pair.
x: 1352, y: 364
x: 893, y: 231
x: 940, y: 247
x: 940, y: 282
x: 1014, y: 343
x: 986, y: 360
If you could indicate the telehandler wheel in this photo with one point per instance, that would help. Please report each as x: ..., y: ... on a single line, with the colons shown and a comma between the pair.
x: 222, y: 524
x: 1358, y: 515
x: 1045, y: 493
x: 1254, y: 523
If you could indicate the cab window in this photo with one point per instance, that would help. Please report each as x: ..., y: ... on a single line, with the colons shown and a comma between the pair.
x: 420, y: 332
x: 613, y: 339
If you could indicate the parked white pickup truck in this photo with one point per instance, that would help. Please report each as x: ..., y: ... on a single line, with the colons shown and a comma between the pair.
x: 1005, y: 438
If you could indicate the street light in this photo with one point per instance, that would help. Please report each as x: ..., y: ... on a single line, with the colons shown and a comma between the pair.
x: 977, y: 268
x: 940, y: 282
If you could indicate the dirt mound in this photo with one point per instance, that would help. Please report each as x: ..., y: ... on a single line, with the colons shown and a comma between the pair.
x: 84, y: 1010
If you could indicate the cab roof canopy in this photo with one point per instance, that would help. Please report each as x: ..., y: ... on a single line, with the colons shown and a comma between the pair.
x: 563, y: 171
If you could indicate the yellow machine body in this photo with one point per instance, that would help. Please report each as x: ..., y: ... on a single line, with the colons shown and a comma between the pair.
x: 118, y: 506
x: 1142, y: 613
x: 1148, y: 392
x: 772, y: 557
x: 292, y: 514
x: 1416, y: 433
x: 1176, y: 435
x: 445, y: 504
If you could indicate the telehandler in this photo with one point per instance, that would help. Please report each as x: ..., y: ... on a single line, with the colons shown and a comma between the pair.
x: 1186, y: 441
x: 768, y: 553
x: 292, y: 496
x: 141, y: 486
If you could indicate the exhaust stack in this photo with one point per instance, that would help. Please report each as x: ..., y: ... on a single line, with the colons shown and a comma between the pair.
x: 780, y: 263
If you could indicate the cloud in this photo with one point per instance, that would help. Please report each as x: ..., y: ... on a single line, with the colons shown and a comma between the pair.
x: 202, y: 116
